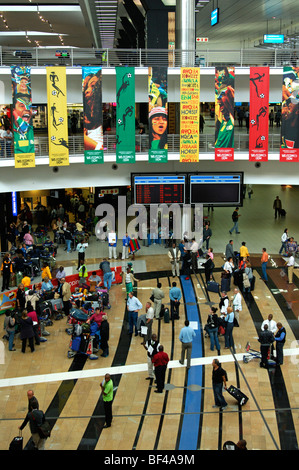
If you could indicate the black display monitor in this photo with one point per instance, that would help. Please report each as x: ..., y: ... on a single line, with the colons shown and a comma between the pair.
x: 158, y: 189
x: 217, y: 189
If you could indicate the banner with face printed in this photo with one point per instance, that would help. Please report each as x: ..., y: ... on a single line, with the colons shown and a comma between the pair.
x: 224, y: 113
x: 158, y: 114
x: 22, y: 122
x: 92, y: 115
x: 57, y: 116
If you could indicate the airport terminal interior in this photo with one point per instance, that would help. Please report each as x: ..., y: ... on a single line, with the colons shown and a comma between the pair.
x: 73, y: 193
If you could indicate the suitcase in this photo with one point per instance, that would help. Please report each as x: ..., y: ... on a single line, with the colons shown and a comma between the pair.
x: 241, y: 398
x: 57, y: 305
x: 105, y: 299
x: 225, y: 285
x: 166, y: 315
x: 238, y: 279
x: 17, y: 442
x: 213, y: 286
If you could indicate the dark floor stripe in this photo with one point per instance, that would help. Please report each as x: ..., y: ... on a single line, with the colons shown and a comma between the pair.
x: 95, y: 426
x: 287, y: 433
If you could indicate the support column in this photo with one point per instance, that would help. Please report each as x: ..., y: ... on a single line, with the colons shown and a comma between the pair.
x: 185, y: 32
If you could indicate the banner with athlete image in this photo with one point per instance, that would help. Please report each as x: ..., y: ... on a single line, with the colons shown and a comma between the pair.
x: 92, y: 115
x: 289, y: 147
x: 22, y: 122
x: 224, y: 113
x: 258, y: 114
x: 57, y: 116
x: 158, y: 114
x: 125, y: 115
x: 190, y: 114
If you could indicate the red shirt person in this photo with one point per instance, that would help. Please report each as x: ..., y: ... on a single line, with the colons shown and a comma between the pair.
x: 160, y: 361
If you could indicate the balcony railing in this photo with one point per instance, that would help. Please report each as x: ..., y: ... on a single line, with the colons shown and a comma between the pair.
x: 206, y: 144
x: 72, y: 57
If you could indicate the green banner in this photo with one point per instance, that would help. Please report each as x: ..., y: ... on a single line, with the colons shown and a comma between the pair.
x: 158, y: 114
x: 125, y: 114
x: 92, y: 115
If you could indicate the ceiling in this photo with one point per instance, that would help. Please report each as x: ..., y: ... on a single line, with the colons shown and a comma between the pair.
x: 118, y: 23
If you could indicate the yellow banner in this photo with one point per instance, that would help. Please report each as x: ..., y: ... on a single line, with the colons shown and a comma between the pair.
x: 190, y: 114
x: 57, y: 117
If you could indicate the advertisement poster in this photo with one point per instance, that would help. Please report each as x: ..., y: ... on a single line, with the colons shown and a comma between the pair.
x: 92, y: 115
x: 259, y: 114
x: 22, y: 122
x: 190, y: 114
x: 158, y: 114
x: 289, y: 148
x: 125, y: 115
x: 57, y: 116
x: 224, y: 113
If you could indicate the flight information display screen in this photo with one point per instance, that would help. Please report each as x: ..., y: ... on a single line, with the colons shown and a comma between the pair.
x: 216, y: 189
x: 159, y: 189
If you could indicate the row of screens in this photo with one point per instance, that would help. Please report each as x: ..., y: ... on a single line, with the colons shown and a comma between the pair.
x: 217, y: 189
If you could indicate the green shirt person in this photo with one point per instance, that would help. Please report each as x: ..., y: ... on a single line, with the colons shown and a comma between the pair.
x: 107, y: 392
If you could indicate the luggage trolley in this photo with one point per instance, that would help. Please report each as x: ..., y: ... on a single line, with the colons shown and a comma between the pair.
x: 253, y: 353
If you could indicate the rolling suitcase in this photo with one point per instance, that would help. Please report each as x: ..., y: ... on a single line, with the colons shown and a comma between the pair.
x: 166, y: 315
x: 213, y: 286
x: 252, y: 283
x: 241, y: 398
x: 225, y: 284
x: 17, y: 442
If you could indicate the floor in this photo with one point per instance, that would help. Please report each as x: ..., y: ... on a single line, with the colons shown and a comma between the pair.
x: 182, y: 418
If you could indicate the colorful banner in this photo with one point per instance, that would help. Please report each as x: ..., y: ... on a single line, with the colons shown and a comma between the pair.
x: 57, y: 117
x: 190, y: 114
x: 125, y: 115
x: 22, y: 117
x: 158, y: 114
x: 289, y: 148
x: 259, y: 114
x: 224, y: 113
x: 92, y: 115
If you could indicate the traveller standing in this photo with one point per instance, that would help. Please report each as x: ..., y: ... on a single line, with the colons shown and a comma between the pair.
x: 235, y: 218
x: 107, y: 392
x: 186, y: 337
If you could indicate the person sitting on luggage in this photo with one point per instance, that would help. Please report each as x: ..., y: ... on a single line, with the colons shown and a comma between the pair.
x: 292, y: 246
x: 47, y: 286
x: 96, y: 317
x: 26, y: 281
x: 46, y: 272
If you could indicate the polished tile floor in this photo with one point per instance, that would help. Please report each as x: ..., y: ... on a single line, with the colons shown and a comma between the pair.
x: 182, y: 418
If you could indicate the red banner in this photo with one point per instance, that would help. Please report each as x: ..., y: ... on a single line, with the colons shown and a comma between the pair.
x: 289, y: 148
x: 259, y: 114
x: 224, y: 113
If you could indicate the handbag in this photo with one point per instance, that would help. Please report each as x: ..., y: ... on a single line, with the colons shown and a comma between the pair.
x: 44, y: 430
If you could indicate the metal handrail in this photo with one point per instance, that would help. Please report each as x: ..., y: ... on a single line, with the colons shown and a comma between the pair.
x: 40, y: 56
x: 206, y: 144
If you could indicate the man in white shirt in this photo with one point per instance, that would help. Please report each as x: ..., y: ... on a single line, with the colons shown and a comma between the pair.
x: 290, y: 265
x: 174, y: 256
x: 237, y: 304
x: 272, y: 326
x: 194, y: 251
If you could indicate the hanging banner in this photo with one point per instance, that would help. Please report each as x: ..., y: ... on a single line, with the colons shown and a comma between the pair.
x: 224, y: 113
x: 125, y: 114
x: 190, y: 114
x: 289, y: 148
x: 158, y: 114
x: 92, y: 115
x: 259, y: 114
x: 22, y: 117
x: 57, y: 117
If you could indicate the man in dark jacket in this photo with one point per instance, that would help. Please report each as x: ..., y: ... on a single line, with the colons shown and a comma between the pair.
x: 280, y: 337
x: 266, y: 338
x: 35, y: 417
